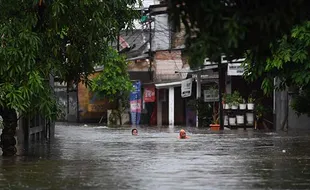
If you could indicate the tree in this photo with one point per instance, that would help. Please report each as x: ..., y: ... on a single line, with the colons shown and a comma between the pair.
x: 113, y: 82
x: 65, y: 38
x: 289, y: 63
x: 232, y: 27
x: 273, y: 36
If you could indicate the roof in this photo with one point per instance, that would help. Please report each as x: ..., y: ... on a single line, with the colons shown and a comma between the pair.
x: 133, y: 43
x: 168, y: 84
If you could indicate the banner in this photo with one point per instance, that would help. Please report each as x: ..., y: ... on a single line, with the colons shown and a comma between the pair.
x: 135, y: 103
x: 186, y: 88
x: 149, y: 94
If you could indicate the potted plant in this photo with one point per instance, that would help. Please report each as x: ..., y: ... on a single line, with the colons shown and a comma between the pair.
x: 249, y: 118
x: 240, y: 119
x: 235, y: 100
x: 225, y: 120
x: 232, y: 120
x: 215, y: 119
x: 242, y: 104
x: 250, y: 115
x: 250, y: 103
x: 226, y: 101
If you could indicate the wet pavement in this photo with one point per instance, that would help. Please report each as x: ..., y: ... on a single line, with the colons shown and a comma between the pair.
x: 96, y: 157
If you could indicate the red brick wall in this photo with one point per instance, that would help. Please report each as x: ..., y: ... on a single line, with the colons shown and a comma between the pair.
x: 166, y: 55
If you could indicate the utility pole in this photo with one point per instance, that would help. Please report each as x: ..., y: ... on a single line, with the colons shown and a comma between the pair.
x: 220, y: 93
x: 150, y: 49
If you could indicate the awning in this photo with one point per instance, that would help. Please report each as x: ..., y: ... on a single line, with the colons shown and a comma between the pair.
x: 168, y: 84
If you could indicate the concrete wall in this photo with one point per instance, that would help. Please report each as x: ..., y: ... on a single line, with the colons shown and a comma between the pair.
x: 295, y: 122
x: 282, y: 106
x: 162, y: 34
x: 166, y: 64
x: 92, y: 107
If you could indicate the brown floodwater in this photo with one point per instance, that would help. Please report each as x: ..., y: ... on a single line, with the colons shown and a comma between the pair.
x: 97, y: 157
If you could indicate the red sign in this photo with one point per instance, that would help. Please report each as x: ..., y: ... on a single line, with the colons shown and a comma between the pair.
x: 149, y: 94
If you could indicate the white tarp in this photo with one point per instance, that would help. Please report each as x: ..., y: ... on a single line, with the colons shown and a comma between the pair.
x: 186, y: 88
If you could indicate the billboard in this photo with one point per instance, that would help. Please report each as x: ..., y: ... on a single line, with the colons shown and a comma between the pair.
x: 135, y: 103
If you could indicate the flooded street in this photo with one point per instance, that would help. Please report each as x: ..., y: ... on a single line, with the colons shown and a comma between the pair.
x: 96, y: 157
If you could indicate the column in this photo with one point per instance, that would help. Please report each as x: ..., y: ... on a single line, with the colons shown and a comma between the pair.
x: 171, y: 106
x: 159, y: 110
x: 198, y: 93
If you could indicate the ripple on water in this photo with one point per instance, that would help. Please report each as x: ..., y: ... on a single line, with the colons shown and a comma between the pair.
x: 99, y: 157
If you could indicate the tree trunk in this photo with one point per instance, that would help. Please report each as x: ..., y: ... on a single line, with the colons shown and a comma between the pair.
x: 7, y: 137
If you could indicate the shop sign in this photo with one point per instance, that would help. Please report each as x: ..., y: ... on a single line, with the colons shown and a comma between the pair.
x: 149, y: 94
x: 235, y: 69
x: 211, y: 95
x: 186, y: 88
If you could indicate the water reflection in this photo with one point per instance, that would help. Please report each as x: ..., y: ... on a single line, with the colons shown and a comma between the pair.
x: 92, y: 157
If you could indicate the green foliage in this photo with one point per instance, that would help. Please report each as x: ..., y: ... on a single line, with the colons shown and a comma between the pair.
x: 113, y: 82
x: 301, y: 102
x: 289, y: 61
x: 233, y: 27
x: 233, y: 99
x: 250, y: 99
x: 273, y: 36
x: 65, y: 38
x: 205, y: 111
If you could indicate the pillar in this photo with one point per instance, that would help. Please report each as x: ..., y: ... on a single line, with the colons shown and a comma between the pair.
x: 198, y: 93
x: 159, y: 110
x: 171, y: 106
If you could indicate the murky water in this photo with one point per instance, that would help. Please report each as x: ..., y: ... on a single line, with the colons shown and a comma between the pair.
x: 110, y: 158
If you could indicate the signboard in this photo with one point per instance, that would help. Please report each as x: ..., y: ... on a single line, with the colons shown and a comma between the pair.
x: 135, y: 103
x: 186, y: 88
x: 211, y: 95
x: 235, y: 69
x: 149, y: 94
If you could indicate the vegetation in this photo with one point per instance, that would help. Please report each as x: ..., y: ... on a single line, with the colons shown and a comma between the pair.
x: 233, y: 99
x: 273, y: 36
x: 113, y: 82
x: 251, y: 100
x: 65, y: 38
x: 215, y: 114
x: 290, y: 64
x: 204, y: 109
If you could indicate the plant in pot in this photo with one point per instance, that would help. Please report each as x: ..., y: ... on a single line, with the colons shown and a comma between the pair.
x: 250, y: 115
x: 242, y: 104
x: 235, y: 100
x: 240, y: 119
x: 232, y: 120
x: 226, y: 101
x: 215, y: 118
x: 250, y: 103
